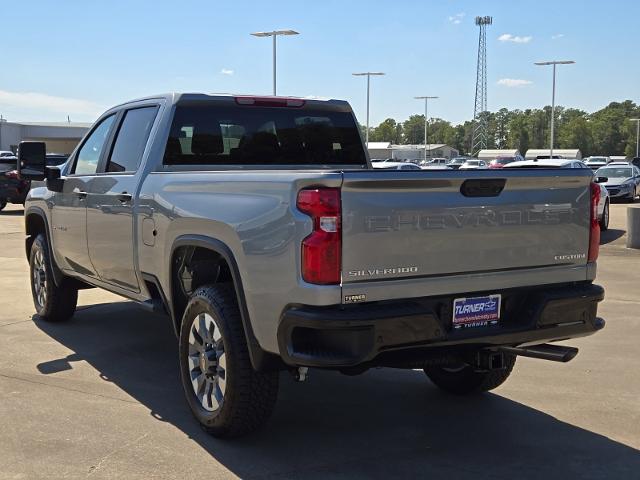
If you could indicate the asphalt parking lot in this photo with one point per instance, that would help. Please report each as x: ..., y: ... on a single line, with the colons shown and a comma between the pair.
x: 100, y: 397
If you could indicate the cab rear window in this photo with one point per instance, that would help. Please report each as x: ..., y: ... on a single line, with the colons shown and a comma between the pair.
x: 213, y: 134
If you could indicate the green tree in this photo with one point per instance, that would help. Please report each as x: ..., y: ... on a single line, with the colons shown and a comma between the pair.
x: 576, y: 133
x: 518, y: 131
x: 413, y: 129
x: 387, y: 131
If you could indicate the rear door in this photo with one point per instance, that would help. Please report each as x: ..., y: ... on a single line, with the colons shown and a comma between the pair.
x: 403, y: 224
x: 110, y: 201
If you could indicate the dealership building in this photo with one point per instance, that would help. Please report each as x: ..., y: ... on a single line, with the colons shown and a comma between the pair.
x: 60, y: 137
x: 384, y: 150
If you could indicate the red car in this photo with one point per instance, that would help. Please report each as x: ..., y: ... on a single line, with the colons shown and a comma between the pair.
x: 500, y: 162
x: 13, y: 189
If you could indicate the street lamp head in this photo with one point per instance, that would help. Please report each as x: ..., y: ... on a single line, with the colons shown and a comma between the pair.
x: 362, y: 74
x: 635, y: 119
x: 426, y: 97
x: 556, y: 62
x: 275, y: 32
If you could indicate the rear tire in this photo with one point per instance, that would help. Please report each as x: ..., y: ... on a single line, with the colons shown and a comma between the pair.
x: 465, y: 380
x: 54, y: 303
x: 225, y: 394
x: 604, y: 221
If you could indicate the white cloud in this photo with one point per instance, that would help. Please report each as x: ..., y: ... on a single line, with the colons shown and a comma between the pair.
x: 226, y: 71
x: 507, y: 37
x: 42, y: 101
x: 457, y: 18
x: 557, y: 36
x: 514, y: 82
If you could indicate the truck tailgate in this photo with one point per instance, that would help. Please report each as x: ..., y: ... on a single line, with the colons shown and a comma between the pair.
x: 408, y: 224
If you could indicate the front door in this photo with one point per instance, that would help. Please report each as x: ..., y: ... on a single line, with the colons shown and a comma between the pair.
x: 111, y: 199
x: 69, y: 207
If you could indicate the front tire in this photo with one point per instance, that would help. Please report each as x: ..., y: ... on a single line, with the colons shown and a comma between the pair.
x: 225, y: 394
x: 604, y: 221
x: 3, y: 203
x: 54, y: 303
x: 464, y: 380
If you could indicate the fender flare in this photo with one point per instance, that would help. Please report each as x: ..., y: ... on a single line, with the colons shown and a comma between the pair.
x: 261, y: 360
x: 58, y: 276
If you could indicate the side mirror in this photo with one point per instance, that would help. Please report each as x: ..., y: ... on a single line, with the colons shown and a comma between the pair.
x: 32, y: 160
x: 602, y: 179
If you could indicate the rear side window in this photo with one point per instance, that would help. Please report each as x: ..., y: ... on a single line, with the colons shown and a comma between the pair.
x: 131, y: 139
x: 208, y: 134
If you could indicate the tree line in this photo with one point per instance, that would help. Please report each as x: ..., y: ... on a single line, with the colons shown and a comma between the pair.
x: 608, y: 131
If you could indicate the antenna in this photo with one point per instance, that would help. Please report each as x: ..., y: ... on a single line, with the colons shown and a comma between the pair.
x: 479, y: 137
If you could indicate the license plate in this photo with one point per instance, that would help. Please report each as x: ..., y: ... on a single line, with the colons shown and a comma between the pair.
x: 476, y: 311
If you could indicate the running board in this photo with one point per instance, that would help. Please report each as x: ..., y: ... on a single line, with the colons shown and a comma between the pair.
x: 555, y: 353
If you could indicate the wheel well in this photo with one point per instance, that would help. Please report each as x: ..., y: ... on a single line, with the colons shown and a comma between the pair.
x: 34, y: 225
x: 192, y: 267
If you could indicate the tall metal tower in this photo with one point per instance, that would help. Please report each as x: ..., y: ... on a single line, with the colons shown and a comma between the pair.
x: 479, y: 137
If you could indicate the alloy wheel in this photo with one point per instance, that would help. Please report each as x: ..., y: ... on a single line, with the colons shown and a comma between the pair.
x: 207, y: 362
x: 39, y: 278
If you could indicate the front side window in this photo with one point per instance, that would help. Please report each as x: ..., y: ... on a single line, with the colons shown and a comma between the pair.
x: 214, y: 134
x: 89, y: 154
x: 131, y: 139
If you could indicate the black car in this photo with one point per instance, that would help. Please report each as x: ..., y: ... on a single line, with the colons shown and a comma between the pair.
x: 13, y: 189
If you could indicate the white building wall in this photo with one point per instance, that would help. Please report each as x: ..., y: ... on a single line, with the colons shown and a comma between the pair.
x: 59, y: 138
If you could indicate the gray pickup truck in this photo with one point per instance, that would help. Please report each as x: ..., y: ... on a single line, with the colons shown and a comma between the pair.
x: 259, y: 227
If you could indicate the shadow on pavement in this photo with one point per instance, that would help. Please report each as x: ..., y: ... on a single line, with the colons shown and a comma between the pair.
x: 611, y: 235
x: 384, y: 424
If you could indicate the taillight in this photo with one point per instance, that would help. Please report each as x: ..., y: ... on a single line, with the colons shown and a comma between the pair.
x: 270, y: 101
x: 12, y: 174
x: 594, y: 226
x: 321, y: 250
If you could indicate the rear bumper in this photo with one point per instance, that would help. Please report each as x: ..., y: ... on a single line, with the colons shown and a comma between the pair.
x: 345, y: 336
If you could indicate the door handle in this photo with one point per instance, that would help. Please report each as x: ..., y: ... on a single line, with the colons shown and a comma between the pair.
x: 80, y: 193
x: 124, y: 197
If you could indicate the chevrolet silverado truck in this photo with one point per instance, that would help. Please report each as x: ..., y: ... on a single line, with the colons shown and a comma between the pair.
x: 259, y: 227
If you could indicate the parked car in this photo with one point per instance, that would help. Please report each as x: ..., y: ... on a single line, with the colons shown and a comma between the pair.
x: 14, y: 189
x: 623, y: 180
x: 439, y: 162
x: 596, y: 162
x: 7, y: 160
x: 604, y: 202
x: 282, y: 250
x: 395, y: 166
x: 473, y: 164
x: 501, y: 161
x: 456, y: 163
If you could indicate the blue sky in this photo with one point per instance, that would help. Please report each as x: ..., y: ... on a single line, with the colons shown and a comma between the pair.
x: 80, y: 57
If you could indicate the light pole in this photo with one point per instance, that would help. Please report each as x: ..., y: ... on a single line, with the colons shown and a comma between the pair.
x: 637, y: 120
x: 368, y: 75
x: 426, y: 122
x: 274, y: 34
x: 553, y: 96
